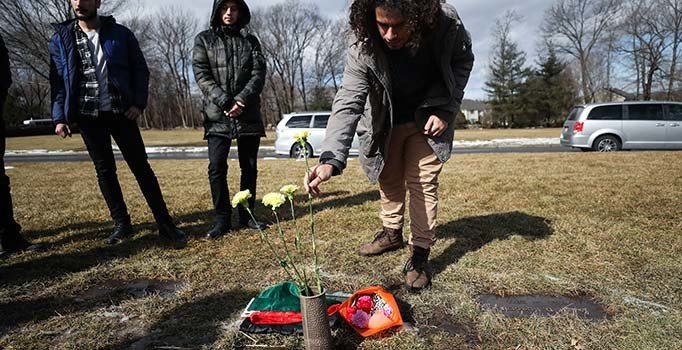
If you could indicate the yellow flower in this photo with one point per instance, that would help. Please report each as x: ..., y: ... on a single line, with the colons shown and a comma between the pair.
x: 274, y: 200
x: 289, y: 191
x: 302, y: 136
x: 241, y: 198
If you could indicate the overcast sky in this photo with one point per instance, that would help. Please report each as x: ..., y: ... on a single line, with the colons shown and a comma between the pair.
x: 478, y: 16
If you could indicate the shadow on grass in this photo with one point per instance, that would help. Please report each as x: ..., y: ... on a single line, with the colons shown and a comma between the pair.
x: 16, y: 313
x: 100, y: 229
x: 473, y: 233
x: 330, y: 200
x: 88, y: 226
x: 193, y: 324
x: 57, y: 265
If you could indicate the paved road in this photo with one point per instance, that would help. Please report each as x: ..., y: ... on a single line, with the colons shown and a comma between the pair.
x: 264, y: 153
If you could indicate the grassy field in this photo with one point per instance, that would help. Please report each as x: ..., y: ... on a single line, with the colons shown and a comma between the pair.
x: 602, y: 226
x: 490, y: 134
x: 152, y: 138
x: 180, y: 137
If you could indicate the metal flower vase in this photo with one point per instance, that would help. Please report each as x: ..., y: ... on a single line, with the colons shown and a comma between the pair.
x: 316, y: 332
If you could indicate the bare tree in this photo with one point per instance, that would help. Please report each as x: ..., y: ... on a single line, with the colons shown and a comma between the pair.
x: 611, y: 48
x: 26, y: 27
x: 141, y: 26
x: 647, y: 37
x: 672, y: 20
x: 326, y: 68
x: 29, y: 99
x: 330, y: 48
x: 287, y: 31
x: 281, y: 72
x: 577, y: 27
x: 172, y: 38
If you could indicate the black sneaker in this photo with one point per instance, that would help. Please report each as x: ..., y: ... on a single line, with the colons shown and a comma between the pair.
x: 172, y: 234
x: 218, y: 231
x: 254, y: 225
x: 25, y: 246
x: 121, y: 233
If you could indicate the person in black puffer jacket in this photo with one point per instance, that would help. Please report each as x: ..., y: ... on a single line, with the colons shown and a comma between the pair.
x: 229, y: 68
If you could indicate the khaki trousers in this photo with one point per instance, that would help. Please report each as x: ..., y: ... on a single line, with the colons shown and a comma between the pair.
x: 410, y: 165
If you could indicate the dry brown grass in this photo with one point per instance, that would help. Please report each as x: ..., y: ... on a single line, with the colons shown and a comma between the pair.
x: 490, y: 134
x: 602, y: 225
x: 188, y: 137
x: 152, y: 138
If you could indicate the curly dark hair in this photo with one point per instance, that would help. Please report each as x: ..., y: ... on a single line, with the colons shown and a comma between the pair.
x: 422, y: 17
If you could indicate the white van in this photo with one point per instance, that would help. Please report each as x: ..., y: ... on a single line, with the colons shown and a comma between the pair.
x: 315, y: 122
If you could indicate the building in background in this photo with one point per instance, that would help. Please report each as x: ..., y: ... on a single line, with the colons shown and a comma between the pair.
x: 474, y: 110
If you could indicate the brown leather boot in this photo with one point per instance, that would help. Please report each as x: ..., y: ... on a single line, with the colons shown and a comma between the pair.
x: 386, y: 240
x: 417, y: 270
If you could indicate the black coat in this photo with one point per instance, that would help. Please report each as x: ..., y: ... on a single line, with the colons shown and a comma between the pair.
x: 229, y: 66
x: 5, y: 74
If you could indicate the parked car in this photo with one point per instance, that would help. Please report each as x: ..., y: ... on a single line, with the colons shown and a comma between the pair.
x: 38, y: 123
x: 34, y: 127
x: 608, y: 127
x: 315, y: 122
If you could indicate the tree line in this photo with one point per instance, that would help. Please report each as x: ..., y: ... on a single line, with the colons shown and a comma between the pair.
x: 591, y: 51
x: 304, y: 49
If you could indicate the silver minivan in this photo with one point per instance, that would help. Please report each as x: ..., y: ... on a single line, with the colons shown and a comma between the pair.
x: 608, y: 127
x: 315, y: 123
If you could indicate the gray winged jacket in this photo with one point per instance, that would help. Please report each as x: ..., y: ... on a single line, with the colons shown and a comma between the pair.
x: 364, y: 102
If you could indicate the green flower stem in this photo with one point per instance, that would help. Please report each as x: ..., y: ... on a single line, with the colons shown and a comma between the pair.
x: 312, y: 227
x: 272, y: 249
x: 303, y: 282
x: 301, y: 253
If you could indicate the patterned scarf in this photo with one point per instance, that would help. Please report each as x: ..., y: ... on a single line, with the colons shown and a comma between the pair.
x: 89, y: 86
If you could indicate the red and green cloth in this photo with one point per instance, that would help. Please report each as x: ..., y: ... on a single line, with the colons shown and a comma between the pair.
x: 280, y: 305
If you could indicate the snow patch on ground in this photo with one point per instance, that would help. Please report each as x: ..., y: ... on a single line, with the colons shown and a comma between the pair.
x: 497, y: 143
x: 9, y: 167
x: 40, y: 152
x: 647, y: 304
x: 203, y: 149
x: 508, y: 142
x: 163, y: 150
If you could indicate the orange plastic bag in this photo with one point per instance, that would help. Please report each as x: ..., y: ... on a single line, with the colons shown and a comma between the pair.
x: 371, y: 310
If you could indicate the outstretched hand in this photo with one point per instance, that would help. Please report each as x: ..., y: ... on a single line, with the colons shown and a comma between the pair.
x: 318, y: 174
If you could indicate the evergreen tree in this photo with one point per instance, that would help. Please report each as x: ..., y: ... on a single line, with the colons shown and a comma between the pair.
x: 550, y: 92
x: 507, y: 74
x: 321, y: 99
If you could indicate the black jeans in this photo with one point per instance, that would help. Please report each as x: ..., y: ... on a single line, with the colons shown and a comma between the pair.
x: 97, y: 134
x: 9, y: 229
x: 218, y: 151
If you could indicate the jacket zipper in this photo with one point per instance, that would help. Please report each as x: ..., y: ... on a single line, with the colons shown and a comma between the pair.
x: 387, y: 133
